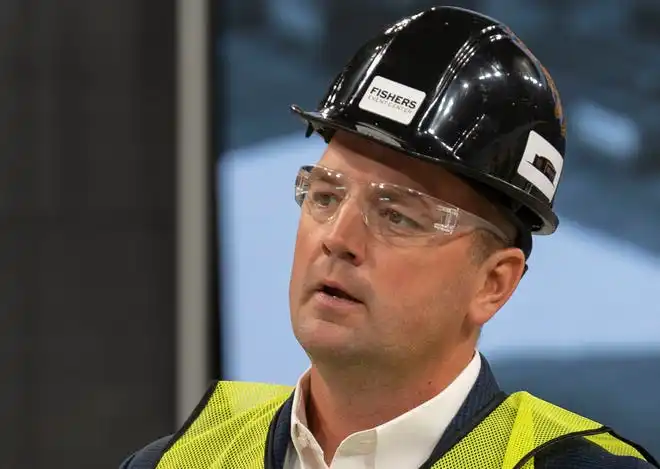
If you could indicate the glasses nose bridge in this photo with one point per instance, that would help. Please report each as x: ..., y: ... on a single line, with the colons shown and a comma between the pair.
x: 356, y: 193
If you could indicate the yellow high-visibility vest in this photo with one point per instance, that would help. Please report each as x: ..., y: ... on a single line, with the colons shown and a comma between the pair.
x: 231, y: 426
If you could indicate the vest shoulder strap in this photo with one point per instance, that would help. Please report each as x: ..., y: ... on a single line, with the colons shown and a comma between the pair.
x: 520, y: 427
x: 229, y: 427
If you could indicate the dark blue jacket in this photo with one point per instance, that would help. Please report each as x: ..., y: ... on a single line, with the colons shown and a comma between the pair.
x: 577, y: 453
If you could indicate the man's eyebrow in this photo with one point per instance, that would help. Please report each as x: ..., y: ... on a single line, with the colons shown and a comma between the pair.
x: 321, y: 173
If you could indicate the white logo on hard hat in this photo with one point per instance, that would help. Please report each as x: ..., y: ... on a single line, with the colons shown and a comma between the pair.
x: 393, y: 100
x: 541, y: 164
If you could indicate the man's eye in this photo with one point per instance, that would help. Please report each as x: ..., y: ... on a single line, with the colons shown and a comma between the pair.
x: 398, y: 219
x: 323, y: 199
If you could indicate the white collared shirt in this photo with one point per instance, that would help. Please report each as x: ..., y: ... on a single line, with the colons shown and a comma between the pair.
x: 403, y: 443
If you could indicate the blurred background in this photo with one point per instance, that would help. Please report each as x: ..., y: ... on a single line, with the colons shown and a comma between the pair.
x: 146, y: 199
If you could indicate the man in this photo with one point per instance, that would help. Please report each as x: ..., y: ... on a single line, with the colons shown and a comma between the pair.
x: 445, y: 147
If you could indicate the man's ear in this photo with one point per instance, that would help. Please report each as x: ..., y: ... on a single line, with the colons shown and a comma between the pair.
x: 497, y: 278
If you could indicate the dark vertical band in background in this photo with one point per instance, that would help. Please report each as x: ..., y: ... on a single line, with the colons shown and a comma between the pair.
x: 87, y: 230
x: 216, y: 112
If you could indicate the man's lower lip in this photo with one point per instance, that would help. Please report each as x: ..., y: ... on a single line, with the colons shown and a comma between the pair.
x: 334, y: 301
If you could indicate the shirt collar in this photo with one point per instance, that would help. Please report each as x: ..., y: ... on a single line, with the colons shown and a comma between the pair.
x: 405, y: 441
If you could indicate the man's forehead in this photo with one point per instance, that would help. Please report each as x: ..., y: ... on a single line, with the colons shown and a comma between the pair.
x: 363, y: 159
x: 346, y: 141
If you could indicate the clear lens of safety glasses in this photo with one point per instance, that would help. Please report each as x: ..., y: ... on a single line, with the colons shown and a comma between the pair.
x: 400, y: 214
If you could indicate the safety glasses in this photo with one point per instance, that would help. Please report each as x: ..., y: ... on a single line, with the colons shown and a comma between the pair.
x: 397, y: 214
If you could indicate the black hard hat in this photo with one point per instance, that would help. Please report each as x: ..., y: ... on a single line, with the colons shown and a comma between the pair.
x: 457, y: 88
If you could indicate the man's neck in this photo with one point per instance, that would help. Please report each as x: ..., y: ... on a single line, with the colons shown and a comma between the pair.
x: 342, y: 402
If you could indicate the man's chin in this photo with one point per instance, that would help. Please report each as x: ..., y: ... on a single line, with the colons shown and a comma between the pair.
x: 329, y: 341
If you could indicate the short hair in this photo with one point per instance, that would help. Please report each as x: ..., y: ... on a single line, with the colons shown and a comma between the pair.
x: 486, y: 242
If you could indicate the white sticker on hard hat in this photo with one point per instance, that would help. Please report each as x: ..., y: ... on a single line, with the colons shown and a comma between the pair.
x: 393, y: 100
x: 541, y: 164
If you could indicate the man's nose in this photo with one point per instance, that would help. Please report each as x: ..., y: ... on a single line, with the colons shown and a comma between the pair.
x: 346, y: 234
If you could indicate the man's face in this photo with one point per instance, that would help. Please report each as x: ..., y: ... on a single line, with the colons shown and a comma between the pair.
x: 413, y: 299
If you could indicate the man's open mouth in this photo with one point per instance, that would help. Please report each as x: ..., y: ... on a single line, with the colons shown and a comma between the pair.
x: 337, y: 293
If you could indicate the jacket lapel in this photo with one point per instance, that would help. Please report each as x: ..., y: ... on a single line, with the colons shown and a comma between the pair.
x: 483, y: 392
x: 279, y: 436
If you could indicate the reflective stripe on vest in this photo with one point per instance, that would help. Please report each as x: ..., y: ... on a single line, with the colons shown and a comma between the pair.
x: 231, y: 425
